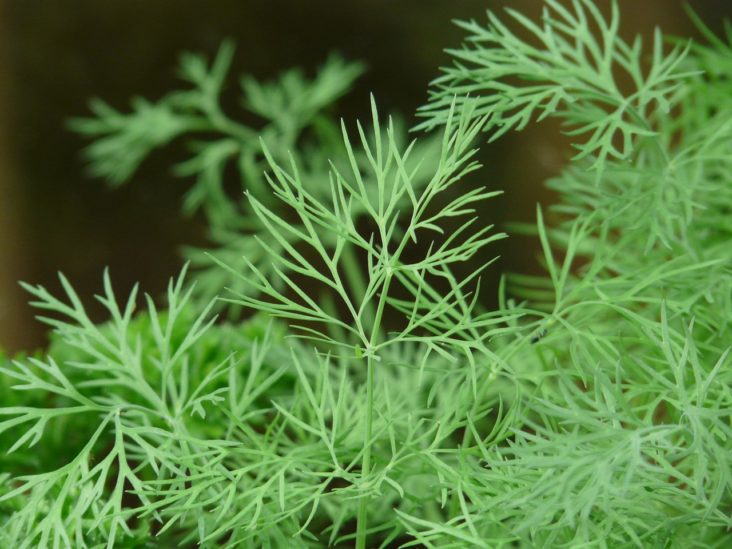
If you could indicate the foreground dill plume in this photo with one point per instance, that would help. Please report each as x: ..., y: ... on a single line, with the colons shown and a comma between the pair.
x: 369, y: 399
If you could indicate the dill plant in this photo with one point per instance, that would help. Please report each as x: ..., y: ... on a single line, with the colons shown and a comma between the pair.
x: 353, y: 390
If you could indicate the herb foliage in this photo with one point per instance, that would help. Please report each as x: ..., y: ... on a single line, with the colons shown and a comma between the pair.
x: 369, y: 398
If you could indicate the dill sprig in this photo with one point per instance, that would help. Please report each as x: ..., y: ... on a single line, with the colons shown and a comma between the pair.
x: 370, y: 399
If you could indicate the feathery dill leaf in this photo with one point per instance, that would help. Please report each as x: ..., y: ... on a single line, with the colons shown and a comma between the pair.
x: 370, y: 399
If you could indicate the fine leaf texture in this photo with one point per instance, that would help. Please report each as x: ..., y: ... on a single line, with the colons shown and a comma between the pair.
x: 370, y: 398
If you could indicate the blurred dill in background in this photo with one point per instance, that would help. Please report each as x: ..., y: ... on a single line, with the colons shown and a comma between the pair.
x: 55, y: 56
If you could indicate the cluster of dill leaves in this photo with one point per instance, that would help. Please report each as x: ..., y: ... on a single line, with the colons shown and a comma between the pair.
x: 322, y: 377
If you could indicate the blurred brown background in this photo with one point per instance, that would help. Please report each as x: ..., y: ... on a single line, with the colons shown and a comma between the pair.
x: 55, y: 55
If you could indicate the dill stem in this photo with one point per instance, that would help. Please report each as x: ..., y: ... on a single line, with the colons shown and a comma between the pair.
x: 362, y: 517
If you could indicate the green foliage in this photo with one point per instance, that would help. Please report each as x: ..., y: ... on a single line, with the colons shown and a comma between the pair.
x: 370, y: 398
x: 296, y: 122
x: 566, y: 71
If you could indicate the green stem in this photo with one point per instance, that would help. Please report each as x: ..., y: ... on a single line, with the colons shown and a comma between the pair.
x: 366, y: 463
x: 362, y: 518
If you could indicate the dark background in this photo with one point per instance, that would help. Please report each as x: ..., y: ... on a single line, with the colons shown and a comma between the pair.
x: 55, y: 55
